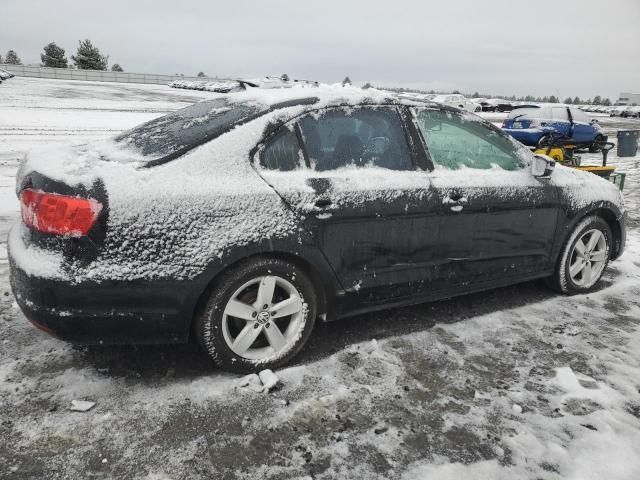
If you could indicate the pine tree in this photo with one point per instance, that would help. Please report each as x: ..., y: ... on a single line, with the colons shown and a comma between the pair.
x: 568, y: 100
x: 346, y: 81
x: 53, y: 56
x: 597, y: 100
x: 201, y: 74
x: 476, y: 94
x: 577, y: 101
x: 1, y: 59
x: 88, y: 57
x: 116, y: 68
x: 367, y: 86
x: 606, y: 102
x: 12, y: 58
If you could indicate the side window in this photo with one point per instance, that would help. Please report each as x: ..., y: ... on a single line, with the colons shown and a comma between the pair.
x: 579, y: 115
x: 455, y: 142
x: 283, y: 152
x: 356, y: 137
x: 559, y: 113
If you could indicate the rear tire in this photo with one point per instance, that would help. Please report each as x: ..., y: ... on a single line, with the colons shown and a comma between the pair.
x: 257, y: 316
x: 544, y: 141
x: 584, y: 257
x: 595, y: 147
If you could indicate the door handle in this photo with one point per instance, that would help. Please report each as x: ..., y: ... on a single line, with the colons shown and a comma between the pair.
x: 324, y: 203
x: 454, y: 199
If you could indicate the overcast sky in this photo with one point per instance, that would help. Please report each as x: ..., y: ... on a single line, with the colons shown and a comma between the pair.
x: 542, y: 47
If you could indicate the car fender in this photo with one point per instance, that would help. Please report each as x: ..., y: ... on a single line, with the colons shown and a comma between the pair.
x: 574, y: 216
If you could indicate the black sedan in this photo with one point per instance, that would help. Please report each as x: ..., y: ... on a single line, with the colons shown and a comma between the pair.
x: 242, y: 220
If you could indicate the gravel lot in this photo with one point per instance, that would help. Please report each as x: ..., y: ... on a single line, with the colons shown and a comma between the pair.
x: 513, y: 383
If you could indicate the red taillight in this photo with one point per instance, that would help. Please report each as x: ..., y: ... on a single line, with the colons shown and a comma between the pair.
x: 58, y: 214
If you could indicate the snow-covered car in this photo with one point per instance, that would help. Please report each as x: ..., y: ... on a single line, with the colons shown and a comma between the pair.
x: 459, y: 101
x: 243, y: 219
x: 535, y: 126
x: 4, y: 75
x: 630, y: 112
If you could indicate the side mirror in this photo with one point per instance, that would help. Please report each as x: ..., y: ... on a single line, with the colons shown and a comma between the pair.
x: 542, y: 166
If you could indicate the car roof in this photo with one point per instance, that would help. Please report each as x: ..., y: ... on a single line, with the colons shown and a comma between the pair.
x: 324, y: 96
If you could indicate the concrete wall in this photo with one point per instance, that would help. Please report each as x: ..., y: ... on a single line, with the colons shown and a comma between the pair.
x: 93, y: 75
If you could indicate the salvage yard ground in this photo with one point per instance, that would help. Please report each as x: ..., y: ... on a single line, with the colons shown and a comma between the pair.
x: 513, y: 383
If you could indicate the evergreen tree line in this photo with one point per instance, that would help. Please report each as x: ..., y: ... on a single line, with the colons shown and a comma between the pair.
x: 87, y: 57
x: 597, y: 100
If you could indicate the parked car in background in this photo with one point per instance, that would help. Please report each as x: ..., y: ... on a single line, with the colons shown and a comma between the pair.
x: 616, y: 111
x: 243, y: 219
x: 630, y: 112
x: 4, y: 75
x: 458, y: 101
x: 500, y: 105
x: 534, y: 126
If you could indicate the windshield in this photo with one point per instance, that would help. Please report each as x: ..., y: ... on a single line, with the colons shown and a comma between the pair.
x: 170, y: 136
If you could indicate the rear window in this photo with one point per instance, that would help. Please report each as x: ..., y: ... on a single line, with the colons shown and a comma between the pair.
x: 169, y: 136
x: 520, y: 112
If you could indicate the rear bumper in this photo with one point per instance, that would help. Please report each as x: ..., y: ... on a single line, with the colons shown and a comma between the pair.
x: 102, y: 312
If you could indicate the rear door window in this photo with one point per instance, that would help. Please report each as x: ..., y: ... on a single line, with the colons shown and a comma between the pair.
x: 579, y: 116
x: 560, y: 113
x: 356, y: 137
x: 456, y: 142
x: 282, y: 152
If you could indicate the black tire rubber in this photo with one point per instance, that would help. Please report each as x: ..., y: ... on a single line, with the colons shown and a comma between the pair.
x: 543, y: 141
x: 208, y: 321
x: 595, y: 147
x: 561, y: 280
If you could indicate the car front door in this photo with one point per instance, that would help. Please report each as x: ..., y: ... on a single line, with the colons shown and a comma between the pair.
x: 497, y: 221
x: 368, y: 207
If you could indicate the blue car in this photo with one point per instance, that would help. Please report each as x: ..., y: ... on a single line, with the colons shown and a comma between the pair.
x: 533, y: 126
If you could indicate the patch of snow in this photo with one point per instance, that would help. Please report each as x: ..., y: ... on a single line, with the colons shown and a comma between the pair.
x: 81, y: 406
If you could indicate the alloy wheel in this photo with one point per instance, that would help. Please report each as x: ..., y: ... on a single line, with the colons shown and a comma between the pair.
x: 263, y: 318
x: 588, y: 258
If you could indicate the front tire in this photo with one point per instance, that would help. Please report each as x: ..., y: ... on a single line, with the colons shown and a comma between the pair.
x: 584, y: 257
x: 257, y: 316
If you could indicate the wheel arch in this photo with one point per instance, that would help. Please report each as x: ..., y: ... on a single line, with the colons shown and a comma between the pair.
x: 615, y: 225
x: 611, y: 214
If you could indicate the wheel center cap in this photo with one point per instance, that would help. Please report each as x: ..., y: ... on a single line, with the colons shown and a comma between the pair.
x: 263, y: 317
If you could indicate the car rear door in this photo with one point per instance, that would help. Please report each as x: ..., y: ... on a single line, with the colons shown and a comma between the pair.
x: 561, y: 122
x: 497, y: 221
x: 583, y: 130
x: 368, y: 207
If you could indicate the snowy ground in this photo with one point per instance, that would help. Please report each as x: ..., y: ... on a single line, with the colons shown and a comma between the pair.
x: 514, y: 383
